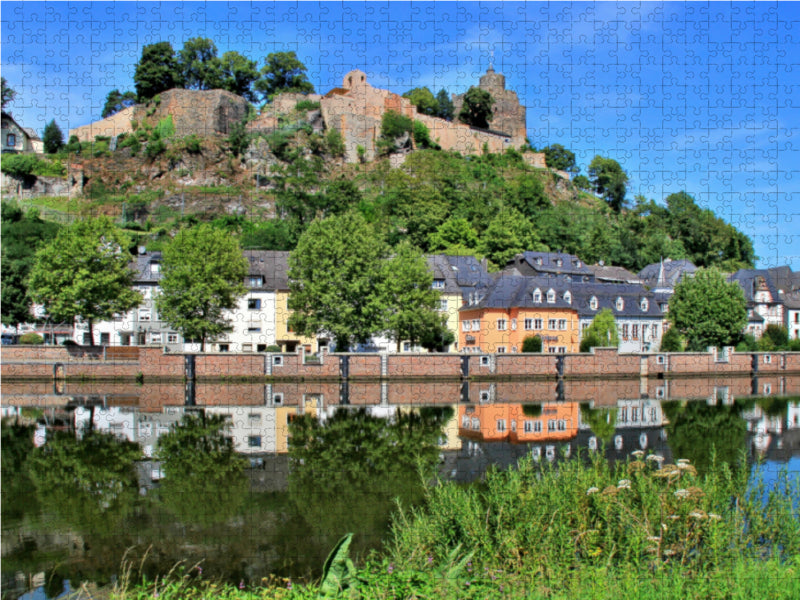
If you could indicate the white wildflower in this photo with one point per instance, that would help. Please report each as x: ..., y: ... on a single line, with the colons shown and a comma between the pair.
x: 592, y: 490
x: 682, y: 493
x: 638, y: 453
x: 624, y: 484
x: 655, y: 457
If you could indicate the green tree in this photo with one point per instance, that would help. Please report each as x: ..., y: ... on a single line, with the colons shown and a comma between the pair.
x: 477, y: 108
x: 198, y: 65
x: 22, y: 235
x: 528, y: 195
x: 238, y: 138
x: 237, y: 74
x: 560, y: 158
x: 532, y: 343
x: 53, y: 138
x: 395, y: 131
x: 424, y: 100
x: 117, y: 101
x: 446, y: 110
x: 8, y: 94
x: 508, y: 234
x: 334, y: 278
x: 409, y: 299
x: 602, y: 421
x: 157, y: 71
x: 85, y: 272
x: 204, y: 479
x: 283, y: 72
x: 602, y: 331
x: 582, y: 183
x: 454, y: 234
x: 775, y: 337
x: 609, y: 181
x: 707, y: 310
x: 203, y: 273
x: 436, y: 337
x: 672, y: 341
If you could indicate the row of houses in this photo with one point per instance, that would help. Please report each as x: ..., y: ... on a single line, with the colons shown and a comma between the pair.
x: 552, y: 295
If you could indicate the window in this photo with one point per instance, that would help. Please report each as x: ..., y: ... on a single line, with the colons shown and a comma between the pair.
x: 593, y: 303
x: 644, y: 304
x: 277, y: 361
x: 552, y: 323
x: 254, y: 303
x: 476, y: 324
x: 476, y: 423
x: 528, y: 324
x: 144, y: 315
x: 537, y: 323
x: 655, y: 332
x: 11, y: 140
x: 485, y: 396
x: 501, y: 349
x: 484, y: 361
x: 465, y: 326
x: 145, y: 429
x: 465, y: 421
x: 625, y: 328
x: 247, y: 347
x: 255, y: 281
x: 513, y: 324
x: 551, y: 296
x: 767, y: 359
x: 644, y: 332
x: 567, y: 297
x: 551, y: 425
x: 254, y: 419
x: 443, y: 305
x: 501, y: 324
x: 155, y: 338
x: 584, y: 326
x: 438, y: 284
x: 767, y: 389
x: 562, y: 324
x: 537, y: 295
x: 254, y: 441
x: 623, y: 414
x: 620, y: 304
x: 559, y: 262
x: 635, y: 331
x: 155, y: 268
x: 172, y: 338
x: 527, y: 427
x: 562, y: 425
x: 277, y: 398
x: 224, y: 347
x: 105, y: 339
x: 501, y: 424
x: 254, y: 330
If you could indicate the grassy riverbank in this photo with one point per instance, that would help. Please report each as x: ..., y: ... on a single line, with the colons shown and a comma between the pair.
x: 640, y: 529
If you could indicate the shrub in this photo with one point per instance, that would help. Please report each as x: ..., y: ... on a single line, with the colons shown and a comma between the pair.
x: 31, y: 338
x: 20, y: 165
x: 100, y: 148
x: 278, y: 142
x: 192, y: 144
x: 306, y: 105
x: 335, y: 143
x: 422, y: 135
x: 395, y: 125
x: 532, y: 343
x: 165, y: 128
x: 155, y: 148
x: 777, y: 336
x: 132, y: 142
x: 672, y: 341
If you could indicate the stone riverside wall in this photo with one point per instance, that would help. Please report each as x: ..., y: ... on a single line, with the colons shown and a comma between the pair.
x: 152, y: 363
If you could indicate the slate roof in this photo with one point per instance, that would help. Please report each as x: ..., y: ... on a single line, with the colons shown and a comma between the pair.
x: 32, y: 134
x: 142, y: 267
x: 516, y: 291
x: 272, y: 265
x: 613, y: 274
x: 791, y: 300
x: 552, y: 263
x: 784, y: 279
x: 461, y: 274
x: 746, y: 278
x: 673, y: 272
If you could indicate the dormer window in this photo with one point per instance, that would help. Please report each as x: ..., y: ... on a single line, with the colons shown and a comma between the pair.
x: 551, y: 296
x: 155, y: 268
x: 567, y: 297
x: 537, y: 295
x: 438, y: 284
x: 620, y: 304
x: 559, y: 262
x: 593, y: 303
x: 255, y: 281
x: 538, y: 260
x: 644, y: 304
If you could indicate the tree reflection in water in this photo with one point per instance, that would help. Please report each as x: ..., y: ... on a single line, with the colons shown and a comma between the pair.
x: 348, y: 472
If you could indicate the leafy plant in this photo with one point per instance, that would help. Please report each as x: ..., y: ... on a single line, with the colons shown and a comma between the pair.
x: 338, y: 572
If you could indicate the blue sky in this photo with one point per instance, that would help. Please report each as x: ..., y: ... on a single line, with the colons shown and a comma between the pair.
x: 697, y: 97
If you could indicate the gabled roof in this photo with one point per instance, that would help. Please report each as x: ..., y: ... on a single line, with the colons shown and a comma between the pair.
x: 461, y: 274
x: 791, y: 300
x: 613, y: 274
x: 666, y: 274
x: 751, y: 279
x: 32, y: 134
x: 142, y: 267
x: 272, y: 265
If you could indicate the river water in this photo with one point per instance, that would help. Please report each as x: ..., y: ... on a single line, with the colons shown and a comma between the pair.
x: 321, y: 461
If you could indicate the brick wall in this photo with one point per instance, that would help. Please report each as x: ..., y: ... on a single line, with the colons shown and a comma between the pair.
x: 601, y: 362
x: 365, y: 365
x: 426, y: 365
x: 525, y: 364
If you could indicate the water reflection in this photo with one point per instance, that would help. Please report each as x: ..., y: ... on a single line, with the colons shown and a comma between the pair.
x: 265, y: 478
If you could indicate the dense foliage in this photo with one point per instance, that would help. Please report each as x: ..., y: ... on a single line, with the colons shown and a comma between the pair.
x: 52, y: 138
x: 602, y: 331
x: 477, y: 108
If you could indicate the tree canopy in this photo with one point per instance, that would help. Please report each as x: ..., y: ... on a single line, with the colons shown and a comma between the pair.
x: 85, y: 272
x: 560, y: 158
x: 156, y: 71
x: 424, y: 100
x: 117, y: 101
x: 477, y: 108
x: 198, y: 65
x: 334, y: 276
x: 707, y: 310
x: 283, y: 72
x: 602, y: 331
x: 609, y: 181
x: 8, y: 94
x: 53, y: 137
x: 445, y: 108
x: 203, y: 273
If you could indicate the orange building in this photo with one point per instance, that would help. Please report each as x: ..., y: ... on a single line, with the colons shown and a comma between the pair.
x: 556, y: 422
x: 514, y: 308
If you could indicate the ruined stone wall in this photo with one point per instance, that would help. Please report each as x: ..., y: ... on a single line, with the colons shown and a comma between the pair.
x: 199, y: 112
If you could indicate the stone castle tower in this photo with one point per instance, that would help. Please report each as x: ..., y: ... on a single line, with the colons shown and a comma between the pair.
x: 509, y: 114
